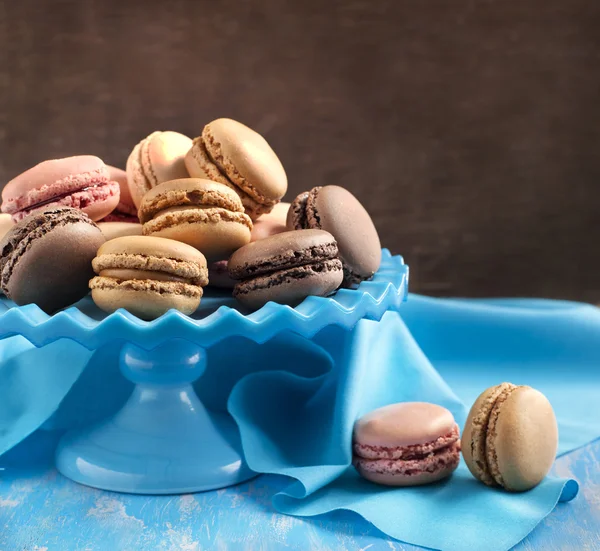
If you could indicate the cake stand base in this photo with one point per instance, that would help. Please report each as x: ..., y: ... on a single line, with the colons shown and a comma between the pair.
x: 163, y: 441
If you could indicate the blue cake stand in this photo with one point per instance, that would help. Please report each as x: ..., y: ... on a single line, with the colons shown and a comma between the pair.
x: 171, y: 436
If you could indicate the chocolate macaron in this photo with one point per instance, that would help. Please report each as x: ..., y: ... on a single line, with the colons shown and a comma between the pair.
x: 147, y: 276
x: 406, y: 444
x: 336, y: 210
x: 510, y: 437
x: 157, y: 158
x: 235, y: 155
x: 286, y: 268
x: 201, y: 213
x: 47, y: 258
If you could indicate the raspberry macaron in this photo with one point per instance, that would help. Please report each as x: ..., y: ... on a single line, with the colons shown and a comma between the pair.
x: 81, y: 182
x: 406, y: 444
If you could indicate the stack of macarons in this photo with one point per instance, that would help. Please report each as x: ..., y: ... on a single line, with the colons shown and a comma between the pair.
x: 184, y: 214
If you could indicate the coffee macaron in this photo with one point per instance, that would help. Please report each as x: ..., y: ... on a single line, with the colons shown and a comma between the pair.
x: 46, y: 258
x: 81, y: 182
x: 336, y: 210
x: 111, y: 230
x: 233, y: 154
x: 286, y: 268
x: 147, y: 276
x: 510, y: 437
x: 406, y: 444
x: 204, y: 214
x: 157, y: 158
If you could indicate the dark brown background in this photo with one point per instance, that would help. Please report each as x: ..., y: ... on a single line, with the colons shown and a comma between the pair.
x: 470, y: 130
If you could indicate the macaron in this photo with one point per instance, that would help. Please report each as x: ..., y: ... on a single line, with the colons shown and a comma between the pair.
x: 235, y: 155
x: 286, y: 268
x: 336, y: 210
x: 81, y: 182
x: 148, y: 276
x: 406, y: 444
x: 201, y: 213
x: 6, y: 223
x: 269, y: 224
x: 157, y: 158
x: 46, y: 259
x: 510, y: 437
x: 111, y: 230
x: 125, y: 211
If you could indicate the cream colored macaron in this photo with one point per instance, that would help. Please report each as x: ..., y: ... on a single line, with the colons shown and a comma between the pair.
x: 206, y: 215
x: 230, y: 153
x: 147, y: 276
x: 156, y: 159
x: 510, y: 437
x: 112, y: 230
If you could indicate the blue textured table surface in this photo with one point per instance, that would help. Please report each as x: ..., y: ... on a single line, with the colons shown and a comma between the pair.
x: 42, y: 511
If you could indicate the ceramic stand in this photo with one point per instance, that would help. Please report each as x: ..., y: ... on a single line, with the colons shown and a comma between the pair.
x: 163, y: 441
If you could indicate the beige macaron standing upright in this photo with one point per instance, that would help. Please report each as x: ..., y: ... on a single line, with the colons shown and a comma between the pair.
x: 510, y: 437
x: 230, y: 153
x: 6, y: 223
x: 204, y: 214
x: 147, y: 276
x: 157, y: 158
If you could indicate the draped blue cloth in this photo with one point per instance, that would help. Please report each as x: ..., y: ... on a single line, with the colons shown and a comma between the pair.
x: 295, y: 402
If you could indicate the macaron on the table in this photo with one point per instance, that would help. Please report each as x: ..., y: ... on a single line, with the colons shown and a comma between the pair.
x: 336, y: 210
x: 81, y: 182
x: 286, y: 268
x: 406, y: 444
x: 510, y: 437
x: 157, y: 158
x: 148, y: 276
x: 201, y: 213
x: 46, y: 258
x: 235, y: 155
x: 125, y: 211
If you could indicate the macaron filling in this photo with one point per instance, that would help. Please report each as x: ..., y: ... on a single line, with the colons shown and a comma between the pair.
x: 440, y: 460
x: 76, y: 191
x: 440, y: 454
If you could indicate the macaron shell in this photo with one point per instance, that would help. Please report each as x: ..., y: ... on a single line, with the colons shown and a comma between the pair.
x: 163, y: 156
x: 522, y: 440
x: 55, y: 270
x: 290, y: 286
x: 396, y: 475
x: 404, y: 424
x: 6, y: 223
x: 48, y: 172
x: 200, y: 165
x: 136, y: 180
x: 99, y: 208
x: 341, y: 214
x: 272, y: 223
x: 111, y: 230
x: 475, y: 432
x: 247, y: 159
x: 188, y: 192
x: 126, y: 205
x: 145, y: 304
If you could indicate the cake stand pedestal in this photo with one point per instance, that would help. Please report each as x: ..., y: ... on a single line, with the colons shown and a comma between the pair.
x: 163, y: 440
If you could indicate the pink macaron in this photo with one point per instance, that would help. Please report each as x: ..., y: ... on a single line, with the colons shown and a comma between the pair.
x: 406, y: 444
x: 81, y: 182
x: 125, y: 211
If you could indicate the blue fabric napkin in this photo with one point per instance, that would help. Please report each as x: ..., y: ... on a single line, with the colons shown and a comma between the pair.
x: 296, y: 411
